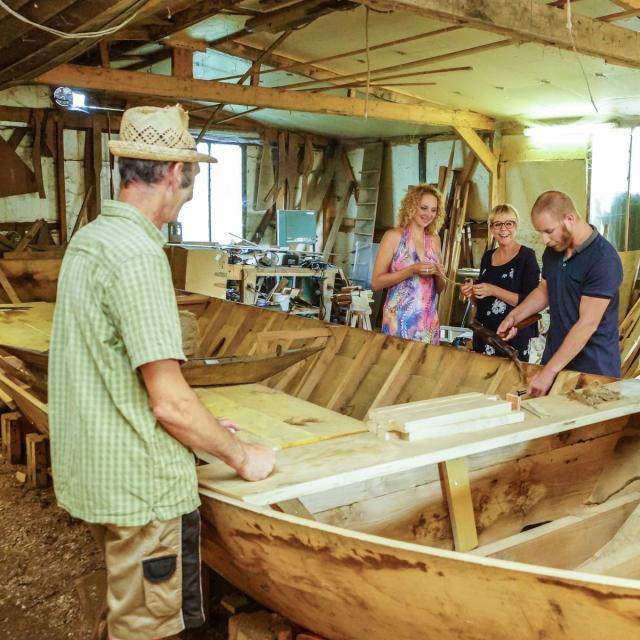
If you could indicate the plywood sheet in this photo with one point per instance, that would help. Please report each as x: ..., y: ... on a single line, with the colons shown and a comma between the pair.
x: 276, y: 418
x: 26, y: 325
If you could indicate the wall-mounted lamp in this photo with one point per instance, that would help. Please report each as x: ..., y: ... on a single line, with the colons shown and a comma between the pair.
x: 75, y: 101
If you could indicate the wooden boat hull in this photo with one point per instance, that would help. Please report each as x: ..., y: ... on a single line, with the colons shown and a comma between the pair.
x: 352, y: 586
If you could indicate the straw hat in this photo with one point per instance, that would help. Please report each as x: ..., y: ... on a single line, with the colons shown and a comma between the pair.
x: 157, y: 133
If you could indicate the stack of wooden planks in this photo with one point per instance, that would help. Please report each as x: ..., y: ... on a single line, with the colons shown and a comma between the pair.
x: 629, y: 331
x: 460, y: 413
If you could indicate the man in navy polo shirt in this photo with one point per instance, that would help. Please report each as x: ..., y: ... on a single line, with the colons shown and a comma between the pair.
x: 581, y: 275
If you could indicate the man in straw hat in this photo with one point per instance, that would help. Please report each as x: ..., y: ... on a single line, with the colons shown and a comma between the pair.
x: 123, y: 419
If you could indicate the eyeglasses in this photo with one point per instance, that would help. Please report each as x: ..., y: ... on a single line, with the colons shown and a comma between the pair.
x: 507, y: 224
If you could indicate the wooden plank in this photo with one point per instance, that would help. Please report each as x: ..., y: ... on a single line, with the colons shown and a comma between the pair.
x: 292, y: 336
x: 275, y: 418
x: 293, y: 508
x: 384, y: 413
x: 37, y: 359
x: 344, y: 461
x: 27, y: 326
x: 468, y: 426
x: 61, y: 187
x: 38, y: 117
x: 241, y: 370
x: 32, y: 409
x: 445, y: 596
x: 6, y: 285
x: 408, y: 360
x: 354, y: 375
x: 327, y: 250
x: 630, y: 266
x: 30, y: 235
x: 322, y: 364
x: 145, y: 84
x: 12, y: 436
x: 478, y: 148
x: 455, y: 480
x: 566, y: 542
x: 37, y: 460
x: 448, y: 414
x: 282, y: 381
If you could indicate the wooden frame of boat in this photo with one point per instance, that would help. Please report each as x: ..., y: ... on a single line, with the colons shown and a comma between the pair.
x: 353, y: 536
x: 364, y: 550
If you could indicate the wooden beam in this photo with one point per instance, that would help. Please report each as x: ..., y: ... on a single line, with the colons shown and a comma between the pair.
x: 10, y: 291
x: 283, y: 63
x: 455, y: 480
x: 182, y: 63
x: 132, y: 82
x: 61, y: 187
x: 532, y: 22
x: 479, y: 148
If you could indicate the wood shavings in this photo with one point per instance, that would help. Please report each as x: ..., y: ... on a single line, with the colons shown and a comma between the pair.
x: 594, y: 394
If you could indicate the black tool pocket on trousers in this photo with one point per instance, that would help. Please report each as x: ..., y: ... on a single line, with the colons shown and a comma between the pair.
x: 159, y: 569
x: 162, y: 586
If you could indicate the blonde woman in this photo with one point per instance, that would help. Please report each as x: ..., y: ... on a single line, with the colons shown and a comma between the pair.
x: 408, y: 264
x: 508, y: 274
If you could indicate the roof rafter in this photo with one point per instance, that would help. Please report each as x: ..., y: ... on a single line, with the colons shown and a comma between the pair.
x: 135, y: 83
x: 533, y: 22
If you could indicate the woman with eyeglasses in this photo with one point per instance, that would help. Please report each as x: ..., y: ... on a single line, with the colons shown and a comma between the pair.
x: 508, y: 274
x: 408, y: 265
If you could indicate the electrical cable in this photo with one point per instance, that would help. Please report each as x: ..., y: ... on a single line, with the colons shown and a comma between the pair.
x: 64, y: 34
x: 569, y: 25
x: 366, y: 39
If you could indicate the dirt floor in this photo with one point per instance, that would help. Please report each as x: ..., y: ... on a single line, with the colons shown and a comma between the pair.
x: 43, y: 554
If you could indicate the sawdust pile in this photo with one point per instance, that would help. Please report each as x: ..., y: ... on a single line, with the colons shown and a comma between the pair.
x: 594, y: 394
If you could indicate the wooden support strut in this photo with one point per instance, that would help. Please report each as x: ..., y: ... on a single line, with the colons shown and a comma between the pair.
x: 37, y: 460
x: 455, y: 480
x: 11, y: 425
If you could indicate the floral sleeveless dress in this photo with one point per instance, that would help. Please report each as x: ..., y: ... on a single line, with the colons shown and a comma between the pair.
x: 410, y: 310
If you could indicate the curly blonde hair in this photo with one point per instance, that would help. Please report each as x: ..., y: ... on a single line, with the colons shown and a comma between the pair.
x: 411, y: 202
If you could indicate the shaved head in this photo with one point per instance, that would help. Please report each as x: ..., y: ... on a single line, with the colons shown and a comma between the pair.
x: 556, y: 203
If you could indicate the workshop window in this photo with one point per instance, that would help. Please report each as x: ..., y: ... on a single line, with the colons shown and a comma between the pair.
x: 615, y: 186
x: 215, y: 212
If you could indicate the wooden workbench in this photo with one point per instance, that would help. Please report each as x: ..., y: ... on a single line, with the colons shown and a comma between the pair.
x: 248, y: 275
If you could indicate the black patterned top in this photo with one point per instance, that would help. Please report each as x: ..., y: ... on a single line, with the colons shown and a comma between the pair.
x: 520, y: 275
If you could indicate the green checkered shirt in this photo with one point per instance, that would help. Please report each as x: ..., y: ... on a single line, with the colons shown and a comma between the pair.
x: 116, y: 310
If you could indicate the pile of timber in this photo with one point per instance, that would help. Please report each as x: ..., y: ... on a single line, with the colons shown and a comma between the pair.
x: 629, y: 331
x: 29, y: 263
x: 438, y: 417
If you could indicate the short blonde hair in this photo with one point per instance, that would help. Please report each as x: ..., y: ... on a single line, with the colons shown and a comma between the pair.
x: 504, y: 209
x: 411, y: 201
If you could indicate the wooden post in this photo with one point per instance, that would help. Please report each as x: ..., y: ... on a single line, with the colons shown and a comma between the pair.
x: 60, y: 181
x: 37, y: 460
x: 455, y: 479
x: 11, y: 426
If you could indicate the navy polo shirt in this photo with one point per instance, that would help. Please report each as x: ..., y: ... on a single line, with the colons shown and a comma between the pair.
x: 594, y: 269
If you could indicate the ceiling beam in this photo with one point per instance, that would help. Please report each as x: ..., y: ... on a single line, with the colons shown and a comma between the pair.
x: 533, y: 22
x: 479, y: 149
x: 147, y: 84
